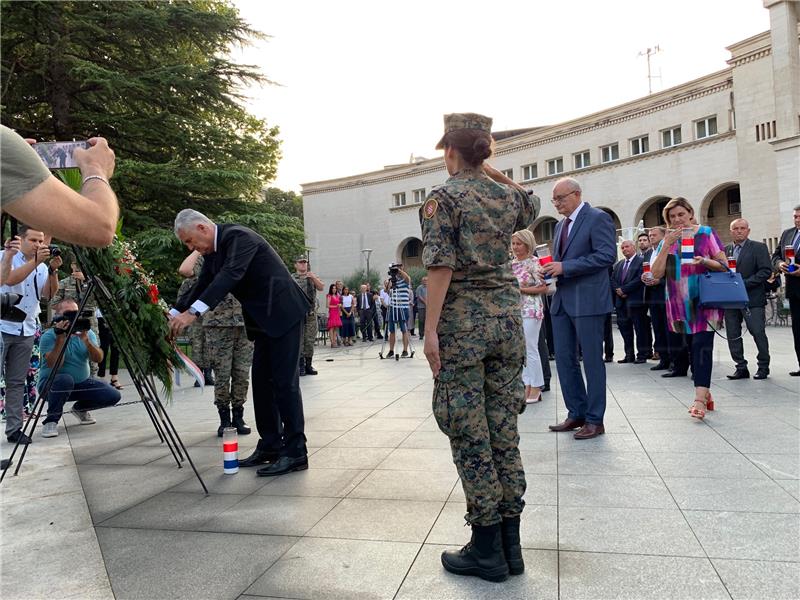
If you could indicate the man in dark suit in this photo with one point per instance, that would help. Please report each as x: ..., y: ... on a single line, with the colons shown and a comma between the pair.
x: 583, y: 251
x: 629, y: 302
x: 655, y: 296
x: 753, y: 264
x: 366, y: 309
x: 791, y: 237
x: 241, y: 262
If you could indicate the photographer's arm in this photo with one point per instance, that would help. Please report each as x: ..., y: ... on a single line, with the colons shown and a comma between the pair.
x: 19, y: 274
x: 95, y: 353
x: 51, y: 356
x: 404, y: 275
x: 51, y: 287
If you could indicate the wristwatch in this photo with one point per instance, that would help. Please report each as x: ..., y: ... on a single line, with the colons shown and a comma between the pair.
x: 193, y: 311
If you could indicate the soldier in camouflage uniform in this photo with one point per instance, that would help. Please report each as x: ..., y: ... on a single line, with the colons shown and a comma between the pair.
x: 197, y: 336
x: 74, y: 287
x: 474, y: 341
x: 310, y: 284
x: 230, y: 354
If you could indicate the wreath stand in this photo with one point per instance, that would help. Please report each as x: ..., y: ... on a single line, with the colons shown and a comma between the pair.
x: 144, y: 383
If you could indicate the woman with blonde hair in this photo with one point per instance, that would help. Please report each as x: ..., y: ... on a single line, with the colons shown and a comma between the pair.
x: 525, y: 266
x: 683, y: 268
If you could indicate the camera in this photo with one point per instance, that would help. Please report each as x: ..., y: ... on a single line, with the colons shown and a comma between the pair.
x: 82, y: 322
x: 394, y: 269
x: 9, y: 311
x: 54, y: 250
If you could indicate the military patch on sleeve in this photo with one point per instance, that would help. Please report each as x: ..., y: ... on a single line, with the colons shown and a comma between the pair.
x: 430, y: 208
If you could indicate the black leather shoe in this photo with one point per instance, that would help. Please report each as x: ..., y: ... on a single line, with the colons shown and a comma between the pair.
x: 640, y: 361
x: 795, y: 373
x: 740, y: 374
x: 285, y: 464
x: 660, y: 367
x: 761, y: 374
x: 627, y: 359
x: 545, y: 387
x: 673, y: 374
x: 260, y: 456
x: 18, y: 436
x: 608, y: 359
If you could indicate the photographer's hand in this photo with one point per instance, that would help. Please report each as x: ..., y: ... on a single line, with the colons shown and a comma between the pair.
x: 98, y: 159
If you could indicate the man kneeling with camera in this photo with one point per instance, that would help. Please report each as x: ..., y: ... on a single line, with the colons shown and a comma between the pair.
x: 72, y: 381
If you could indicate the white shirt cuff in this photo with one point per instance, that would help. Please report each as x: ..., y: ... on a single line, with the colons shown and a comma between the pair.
x: 200, y: 307
x: 173, y: 312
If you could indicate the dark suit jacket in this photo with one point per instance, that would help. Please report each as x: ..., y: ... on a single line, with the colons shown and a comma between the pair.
x: 792, y: 283
x: 246, y: 266
x: 359, y: 299
x: 583, y: 289
x: 755, y: 268
x: 654, y: 294
x: 632, y: 286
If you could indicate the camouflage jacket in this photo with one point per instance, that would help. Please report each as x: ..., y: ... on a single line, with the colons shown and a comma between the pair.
x: 69, y: 287
x: 308, y: 289
x: 227, y: 313
x: 467, y: 225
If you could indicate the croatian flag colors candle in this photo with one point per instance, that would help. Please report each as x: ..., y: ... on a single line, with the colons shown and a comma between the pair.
x: 543, y: 252
x: 790, y: 258
x: 687, y: 246
x: 732, y: 264
x: 230, y: 451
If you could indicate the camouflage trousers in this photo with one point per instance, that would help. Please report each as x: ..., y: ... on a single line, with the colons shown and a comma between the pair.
x: 93, y: 365
x: 309, y: 336
x: 230, y: 354
x: 197, y: 336
x: 476, y: 399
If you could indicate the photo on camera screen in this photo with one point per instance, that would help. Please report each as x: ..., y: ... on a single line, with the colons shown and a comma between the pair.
x: 58, y: 155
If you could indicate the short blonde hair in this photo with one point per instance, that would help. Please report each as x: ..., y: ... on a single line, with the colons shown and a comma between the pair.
x: 679, y: 201
x: 526, y: 237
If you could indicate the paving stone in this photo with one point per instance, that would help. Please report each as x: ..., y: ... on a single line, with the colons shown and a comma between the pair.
x: 338, y: 569
x: 328, y: 483
x: 756, y: 580
x: 741, y: 495
x: 712, y: 466
x: 605, y: 463
x: 174, y: 510
x: 244, y: 482
x: 613, y: 491
x: 370, y: 439
x: 273, y: 515
x: 406, y: 485
x: 349, y: 458
x: 419, y: 459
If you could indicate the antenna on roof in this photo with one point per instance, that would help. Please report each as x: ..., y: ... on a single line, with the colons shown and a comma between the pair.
x: 648, y: 53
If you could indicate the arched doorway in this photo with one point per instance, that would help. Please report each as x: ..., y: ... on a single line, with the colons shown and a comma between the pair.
x: 543, y: 230
x: 650, y: 211
x: 721, y: 205
x: 410, y: 252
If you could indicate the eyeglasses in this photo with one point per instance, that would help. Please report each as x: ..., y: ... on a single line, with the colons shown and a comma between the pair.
x: 562, y: 197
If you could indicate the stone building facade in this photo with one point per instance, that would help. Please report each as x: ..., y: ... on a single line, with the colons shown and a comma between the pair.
x: 729, y: 142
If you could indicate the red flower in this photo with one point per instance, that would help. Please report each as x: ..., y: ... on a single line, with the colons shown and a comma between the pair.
x: 154, y: 293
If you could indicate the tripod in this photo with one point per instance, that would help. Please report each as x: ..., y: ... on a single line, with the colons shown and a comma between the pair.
x: 144, y: 383
x: 397, y: 313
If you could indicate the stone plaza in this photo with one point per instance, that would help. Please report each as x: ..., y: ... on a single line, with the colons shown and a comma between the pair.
x: 662, y: 506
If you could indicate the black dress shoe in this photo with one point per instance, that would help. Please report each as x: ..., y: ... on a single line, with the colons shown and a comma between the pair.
x: 608, y: 359
x: 545, y: 387
x: 740, y: 374
x: 18, y: 436
x: 761, y: 374
x: 674, y: 374
x: 260, y: 456
x: 627, y: 359
x: 285, y: 464
x: 640, y: 361
x: 795, y: 373
x: 660, y: 367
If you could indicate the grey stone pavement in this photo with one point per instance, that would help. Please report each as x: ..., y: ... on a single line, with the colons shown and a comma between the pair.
x: 662, y: 506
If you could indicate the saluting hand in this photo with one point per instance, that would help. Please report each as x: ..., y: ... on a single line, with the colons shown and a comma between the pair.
x: 431, y: 349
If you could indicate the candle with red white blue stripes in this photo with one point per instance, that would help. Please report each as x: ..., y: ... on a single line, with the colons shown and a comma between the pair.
x: 230, y: 451
x: 687, y: 246
x: 790, y: 259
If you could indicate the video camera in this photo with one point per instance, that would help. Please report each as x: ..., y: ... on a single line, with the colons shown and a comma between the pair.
x: 82, y: 322
x: 54, y: 250
x: 394, y: 269
x: 9, y: 311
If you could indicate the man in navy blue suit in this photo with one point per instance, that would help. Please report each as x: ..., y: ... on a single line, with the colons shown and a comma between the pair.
x: 629, y: 301
x: 583, y: 251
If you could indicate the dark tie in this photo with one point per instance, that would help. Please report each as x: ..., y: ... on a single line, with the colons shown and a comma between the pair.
x: 625, y: 270
x: 736, y: 249
x: 364, y: 302
x: 564, y: 234
x: 796, y: 242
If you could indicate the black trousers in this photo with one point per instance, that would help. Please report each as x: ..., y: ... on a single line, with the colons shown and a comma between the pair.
x: 365, y: 318
x: 658, y: 317
x: 608, y: 338
x: 544, y: 356
x: 277, y: 402
x: 679, y: 352
x: 794, y: 311
x: 106, y: 343
x: 697, y: 348
x: 631, y: 320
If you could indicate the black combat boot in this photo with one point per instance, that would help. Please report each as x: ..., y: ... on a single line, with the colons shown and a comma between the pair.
x: 509, y: 529
x: 209, y: 376
x: 224, y: 420
x: 482, y: 556
x: 309, y: 369
x: 243, y: 429
x: 302, y: 366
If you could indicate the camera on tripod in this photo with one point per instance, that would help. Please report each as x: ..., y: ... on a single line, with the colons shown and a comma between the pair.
x: 394, y: 270
x: 82, y: 320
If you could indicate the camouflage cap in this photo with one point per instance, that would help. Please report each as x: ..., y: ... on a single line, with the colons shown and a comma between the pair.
x: 301, y: 258
x: 456, y: 121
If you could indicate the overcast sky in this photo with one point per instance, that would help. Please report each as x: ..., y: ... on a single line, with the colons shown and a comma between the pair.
x: 365, y: 84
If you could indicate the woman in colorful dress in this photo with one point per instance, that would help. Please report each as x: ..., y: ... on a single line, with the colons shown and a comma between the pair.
x: 333, y: 304
x: 684, y: 316
x: 525, y: 266
x: 348, y: 332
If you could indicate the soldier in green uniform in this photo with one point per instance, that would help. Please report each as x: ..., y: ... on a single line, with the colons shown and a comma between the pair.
x: 74, y: 286
x: 474, y: 341
x: 310, y: 284
x: 196, y: 334
x: 229, y: 354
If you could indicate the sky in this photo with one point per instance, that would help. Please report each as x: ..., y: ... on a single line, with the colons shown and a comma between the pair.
x: 361, y: 85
